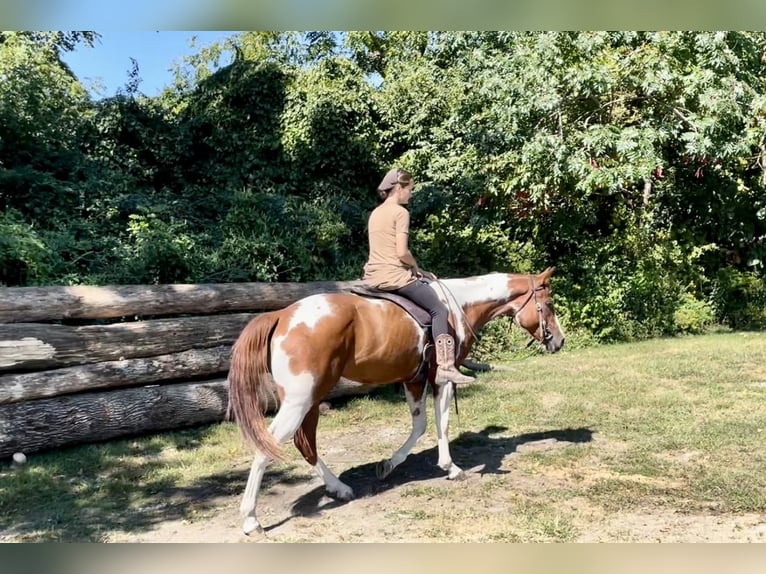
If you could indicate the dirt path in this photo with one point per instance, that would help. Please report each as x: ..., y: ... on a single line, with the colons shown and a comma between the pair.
x: 417, y: 504
x: 380, y: 520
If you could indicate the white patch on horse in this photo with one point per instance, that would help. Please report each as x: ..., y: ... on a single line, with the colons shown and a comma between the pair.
x: 472, y: 290
x: 310, y: 311
x: 297, y: 386
x: 457, y: 294
x: 556, y: 325
x: 420, y: 335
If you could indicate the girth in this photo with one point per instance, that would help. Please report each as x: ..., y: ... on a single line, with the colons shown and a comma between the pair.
x: 420, y: 315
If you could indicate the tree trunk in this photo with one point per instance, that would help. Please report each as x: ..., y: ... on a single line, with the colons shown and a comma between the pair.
x: 35, y: 346
x: 44, y: 424
x: 31, y: 304
x: 113, y: 374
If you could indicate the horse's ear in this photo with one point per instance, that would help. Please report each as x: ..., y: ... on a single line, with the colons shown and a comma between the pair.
x: 546, y: 275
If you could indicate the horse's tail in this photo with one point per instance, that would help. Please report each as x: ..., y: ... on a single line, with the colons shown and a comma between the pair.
x: 250, y: 386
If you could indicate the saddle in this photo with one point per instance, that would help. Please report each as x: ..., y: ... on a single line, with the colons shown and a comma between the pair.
x: 420, y: 315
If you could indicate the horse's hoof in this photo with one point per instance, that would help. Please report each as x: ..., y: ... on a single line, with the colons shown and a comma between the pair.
x: 251, y: 526
x: 456, y: 474
x: 383, y: 469
x: 342, y: 493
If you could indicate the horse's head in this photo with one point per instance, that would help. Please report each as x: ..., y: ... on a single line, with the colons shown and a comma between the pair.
x: 535, y: 312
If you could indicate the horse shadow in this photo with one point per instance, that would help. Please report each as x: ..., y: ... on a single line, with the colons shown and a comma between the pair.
x: 476, y: 452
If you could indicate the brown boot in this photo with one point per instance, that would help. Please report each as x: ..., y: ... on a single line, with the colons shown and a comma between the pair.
x: 445, y: 359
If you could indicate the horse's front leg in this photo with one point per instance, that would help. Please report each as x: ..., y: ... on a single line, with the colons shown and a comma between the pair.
x: 416, y: 401
x: 442, y: 400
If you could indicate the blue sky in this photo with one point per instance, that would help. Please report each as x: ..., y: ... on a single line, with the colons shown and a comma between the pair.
x: 108, y: 61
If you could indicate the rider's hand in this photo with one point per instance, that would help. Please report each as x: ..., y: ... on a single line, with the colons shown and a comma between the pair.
x: 428, y: 275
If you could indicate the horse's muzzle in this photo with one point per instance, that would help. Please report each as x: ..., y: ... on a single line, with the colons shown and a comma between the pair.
x: 553, y: 343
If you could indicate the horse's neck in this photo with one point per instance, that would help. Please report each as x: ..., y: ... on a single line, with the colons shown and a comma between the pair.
x: 479, y: 298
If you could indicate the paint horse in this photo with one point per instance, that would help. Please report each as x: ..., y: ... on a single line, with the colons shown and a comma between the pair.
x: 303, y: 350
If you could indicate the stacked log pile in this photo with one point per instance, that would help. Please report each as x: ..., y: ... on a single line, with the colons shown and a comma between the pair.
x: 85, y: 364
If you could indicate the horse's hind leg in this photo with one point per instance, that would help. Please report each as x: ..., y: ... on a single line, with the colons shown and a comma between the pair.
x: 416, y: 401
x: 305, y: 442
x: 285, y: 424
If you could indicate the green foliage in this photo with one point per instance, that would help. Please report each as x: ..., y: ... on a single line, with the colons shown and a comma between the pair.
x: 499, y: 339
x: 24, y: 258
x: 633, y: 161
x: 157, y: 251
x: 692, y: 315
x: 452, y: 247
x: 41, y: 113
x: 271, y: 237
x: 628, y: 287
x: 739, y: 298
x: 329, y: 128
x: 502, y: 340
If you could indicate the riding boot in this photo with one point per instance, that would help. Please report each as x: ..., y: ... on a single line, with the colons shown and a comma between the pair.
x: 445, y: 360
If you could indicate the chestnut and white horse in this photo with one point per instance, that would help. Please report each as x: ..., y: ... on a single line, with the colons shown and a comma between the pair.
x: 304, y: 349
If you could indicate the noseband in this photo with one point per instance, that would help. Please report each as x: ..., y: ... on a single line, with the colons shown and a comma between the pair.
x: 547, y: 335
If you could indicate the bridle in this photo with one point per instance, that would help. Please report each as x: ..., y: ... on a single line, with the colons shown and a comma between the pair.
x: 546, y: 332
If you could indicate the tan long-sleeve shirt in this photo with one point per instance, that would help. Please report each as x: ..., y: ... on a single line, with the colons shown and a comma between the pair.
x: 384, y: 269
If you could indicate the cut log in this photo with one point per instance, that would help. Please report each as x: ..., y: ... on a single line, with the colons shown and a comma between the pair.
x: 114, y: 374
x: 50, y: 423
x: 37, y: 346
x: 32, y: 304
x: 44, y: 424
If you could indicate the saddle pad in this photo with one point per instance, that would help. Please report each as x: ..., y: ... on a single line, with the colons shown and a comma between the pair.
x: 420, y: 315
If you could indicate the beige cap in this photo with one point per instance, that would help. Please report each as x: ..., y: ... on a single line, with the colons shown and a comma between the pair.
x: 394, y: 176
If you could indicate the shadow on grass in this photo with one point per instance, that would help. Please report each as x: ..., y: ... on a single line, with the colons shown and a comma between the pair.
x: 469, y: 449
x: 82, y: 493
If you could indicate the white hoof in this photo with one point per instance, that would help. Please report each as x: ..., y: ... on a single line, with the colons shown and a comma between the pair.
x: 455, y: 473
x: 251, y: 525
x: 383, y: 469
x: 341, y: 492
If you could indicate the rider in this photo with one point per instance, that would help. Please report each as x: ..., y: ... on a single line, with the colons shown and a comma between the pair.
x: 391, y: 267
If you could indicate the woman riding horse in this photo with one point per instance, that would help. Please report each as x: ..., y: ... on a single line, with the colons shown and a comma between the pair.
x: 392, y: 267
x: 301, y: 352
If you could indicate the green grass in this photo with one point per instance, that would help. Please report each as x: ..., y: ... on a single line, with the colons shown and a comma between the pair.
x: 690, y: 411
x: 673, y: 424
